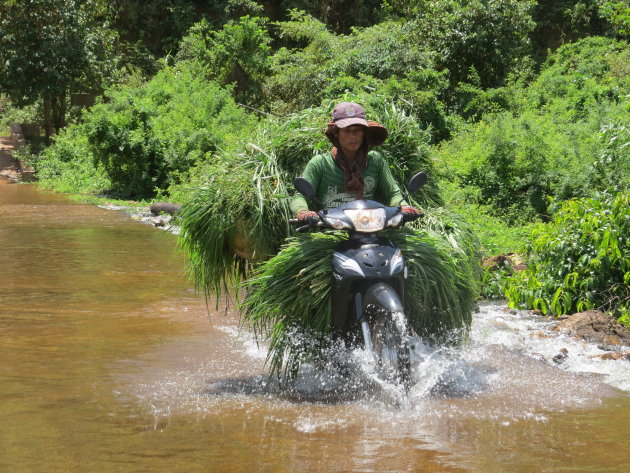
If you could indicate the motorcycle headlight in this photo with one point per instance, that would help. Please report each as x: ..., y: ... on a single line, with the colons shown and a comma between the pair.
x: 395, y: 220
x: 366, y: 220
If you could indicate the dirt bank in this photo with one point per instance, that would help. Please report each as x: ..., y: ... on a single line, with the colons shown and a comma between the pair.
x: 9, y: 167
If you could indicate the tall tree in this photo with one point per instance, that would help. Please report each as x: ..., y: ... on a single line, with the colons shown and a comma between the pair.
x: 238, y: 54
x: 49, y: 48
x: 490, y: 36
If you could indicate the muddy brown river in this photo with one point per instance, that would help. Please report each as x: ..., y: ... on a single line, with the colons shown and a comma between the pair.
x: 111, y: 362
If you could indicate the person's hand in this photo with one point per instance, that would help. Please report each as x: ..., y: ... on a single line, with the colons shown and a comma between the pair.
x: 304, y: 216
x: 410, y: 213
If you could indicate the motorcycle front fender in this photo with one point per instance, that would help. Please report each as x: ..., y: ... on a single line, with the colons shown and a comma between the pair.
x: 383, y: 295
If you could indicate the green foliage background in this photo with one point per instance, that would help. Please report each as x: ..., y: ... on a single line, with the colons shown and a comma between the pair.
x: 580, y: 260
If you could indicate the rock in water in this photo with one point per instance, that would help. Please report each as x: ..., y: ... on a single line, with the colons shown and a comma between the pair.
x: 158, y: 208
x: 596, y: 327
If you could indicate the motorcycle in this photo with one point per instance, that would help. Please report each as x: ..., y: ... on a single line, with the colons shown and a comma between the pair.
x: 369, y: 273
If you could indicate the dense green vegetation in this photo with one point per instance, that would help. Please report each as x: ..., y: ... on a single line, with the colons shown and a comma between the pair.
x: 518, y: 110
x: 580, y: 260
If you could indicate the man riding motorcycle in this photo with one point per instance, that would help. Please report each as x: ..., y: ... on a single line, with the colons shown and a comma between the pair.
x: 352, y: 169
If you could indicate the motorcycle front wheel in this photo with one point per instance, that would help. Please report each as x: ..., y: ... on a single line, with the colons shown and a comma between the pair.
x: 390, y: 345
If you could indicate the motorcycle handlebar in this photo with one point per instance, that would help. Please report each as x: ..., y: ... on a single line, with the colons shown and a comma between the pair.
x: 310, y: 223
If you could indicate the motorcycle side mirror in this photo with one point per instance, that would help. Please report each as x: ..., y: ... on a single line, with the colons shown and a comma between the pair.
x: 305, y: 188
x: 417, y: 181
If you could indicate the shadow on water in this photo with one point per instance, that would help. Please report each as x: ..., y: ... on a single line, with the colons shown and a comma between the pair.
x: 312, y: 386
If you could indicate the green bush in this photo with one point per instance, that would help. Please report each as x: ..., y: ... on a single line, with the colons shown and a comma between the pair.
x: 145, y: 137
x: 611, y: 169
x: 490, y: 36
x: 617, y: 13
x: 563, y: 136
x: 68, y: 164
x: 238, y: 54
x: 513, y: 164
x: 326, y: 65
x: 580, y: 77
x: 472, y: 102
x: 580, y: 260
x: 495, y: 236
x: 10, y: 114
x: 125, y: 146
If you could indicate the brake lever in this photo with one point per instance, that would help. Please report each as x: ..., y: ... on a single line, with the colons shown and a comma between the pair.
x: 412, y: 217
x: 311, y: 222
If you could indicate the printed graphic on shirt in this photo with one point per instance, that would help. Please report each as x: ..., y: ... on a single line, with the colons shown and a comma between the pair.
x: 334, y: 198
x: 370, y: 184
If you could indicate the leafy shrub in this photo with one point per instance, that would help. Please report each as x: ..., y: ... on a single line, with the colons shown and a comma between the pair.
x: 156, y: 24
x: 611, y: 169
x: 580, y: 260
x: 145, y: 137
x: 68, y: 164
x: 566, y: 21
x: 488, y: 35
x: 472, y: 102
x: 617, y: 13
x: 238, y: 54
x: 514, y: 163
x: 495, y: 236
x: 579, y: 77
x: 493, y: 282
x: 326, y: 65
x: 387, y: 50
x: 342, y: 16
x: 10, y: 114
x: 564, y: 136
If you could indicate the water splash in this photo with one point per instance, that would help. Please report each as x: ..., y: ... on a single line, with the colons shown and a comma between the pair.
x: 532, y: 336
x: 508, y: 354
x: 505, y: 370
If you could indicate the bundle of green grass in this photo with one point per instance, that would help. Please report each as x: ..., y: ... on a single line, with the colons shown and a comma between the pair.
x: 236, y: 232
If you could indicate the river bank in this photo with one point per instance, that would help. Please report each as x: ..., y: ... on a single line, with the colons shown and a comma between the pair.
x: 9, y: 167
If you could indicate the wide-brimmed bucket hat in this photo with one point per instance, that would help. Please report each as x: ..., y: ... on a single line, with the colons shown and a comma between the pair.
x: 350, y: 113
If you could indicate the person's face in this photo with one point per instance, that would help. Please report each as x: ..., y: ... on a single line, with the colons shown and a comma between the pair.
x: 351, y: 138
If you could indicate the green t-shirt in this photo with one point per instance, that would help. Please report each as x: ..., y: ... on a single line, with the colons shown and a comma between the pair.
x: 328, y: 180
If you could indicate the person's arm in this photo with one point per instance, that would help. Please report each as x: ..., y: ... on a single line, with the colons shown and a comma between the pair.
x: 313, y: 174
